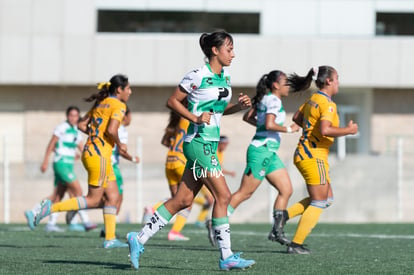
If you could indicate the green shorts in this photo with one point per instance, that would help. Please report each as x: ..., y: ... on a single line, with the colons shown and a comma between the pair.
x: 119, y: 179
x: 64, y: 173
x: 202, y: 158
x: 261, y: 162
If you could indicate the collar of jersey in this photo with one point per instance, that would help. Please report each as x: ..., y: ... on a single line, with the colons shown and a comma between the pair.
x: 322, y: 93
x: 209, y: 68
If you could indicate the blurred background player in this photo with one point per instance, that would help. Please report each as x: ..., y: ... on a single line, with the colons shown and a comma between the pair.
x: 101, y: 123
x: 268, y: 116
x: 65, y: 140
x: 123, y: 137
x: 208, y: 91
x: 320, y: 122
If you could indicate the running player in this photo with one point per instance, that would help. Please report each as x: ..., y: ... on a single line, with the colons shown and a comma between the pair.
x: 65, y: 140
x: 268, y: 115
x: 208, y: 92
x: 320, y: 122
x: 101, y: 123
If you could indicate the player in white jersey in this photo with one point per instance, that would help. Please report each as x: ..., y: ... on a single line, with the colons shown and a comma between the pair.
x: 268, y: 115
x: 66, y: 139
x: 208, y: 92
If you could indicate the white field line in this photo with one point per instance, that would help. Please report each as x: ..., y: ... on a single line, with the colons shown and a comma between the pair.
x: 320, y: 235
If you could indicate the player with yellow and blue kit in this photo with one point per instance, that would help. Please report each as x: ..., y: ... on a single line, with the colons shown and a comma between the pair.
x: 320, y: 122
x: 101, y: 124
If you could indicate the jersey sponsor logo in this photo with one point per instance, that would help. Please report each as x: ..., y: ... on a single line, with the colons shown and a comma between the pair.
x: 330, y: 109
x: 223, y: 93
x: 209, y: 81
x: 193, y: 86
x: 228, y: 80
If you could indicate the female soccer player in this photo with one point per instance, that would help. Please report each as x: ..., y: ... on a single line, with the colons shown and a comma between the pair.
x: 174, y: 167
x: 262, y: 158
x: 65, y: 140
x: 320, y: 122
x: 101, y: 123
x: 208, y: 92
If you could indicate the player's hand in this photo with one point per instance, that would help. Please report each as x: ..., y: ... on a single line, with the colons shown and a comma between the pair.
x: 204, y: 118
x: 295, y: 128
x: 244, y: 101
x: 122, y: 148
x: 43, y: 167
x: 352, y: 127
x: 232, y: 174
x: 135, y: 159
x: 77, y: 156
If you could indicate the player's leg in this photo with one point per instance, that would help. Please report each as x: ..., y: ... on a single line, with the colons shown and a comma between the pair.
x: 248, y: 186
x: 58, y: 193
x: 205, y: 200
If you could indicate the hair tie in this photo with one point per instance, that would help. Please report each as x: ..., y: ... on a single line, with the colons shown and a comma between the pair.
x: 101, y: 85
x: 315, y: 73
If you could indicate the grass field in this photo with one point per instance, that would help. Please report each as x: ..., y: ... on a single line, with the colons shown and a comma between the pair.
x: 337, y: 249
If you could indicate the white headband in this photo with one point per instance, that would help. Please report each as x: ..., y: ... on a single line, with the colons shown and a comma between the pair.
x: 315, y: 73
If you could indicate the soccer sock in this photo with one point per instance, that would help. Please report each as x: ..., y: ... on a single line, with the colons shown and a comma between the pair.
x: 307, y: 222
x: 53, y: 219
x: 70, y: 204
x: 158, y: 204
x: 203, y: 214
x: 221, y: 228
x: 36, y: 208
x: 180, y: 220
x: 298, y: 208
x: 84, y: 216
x: 74, y: 220
x: 109, y: 213
x: 160, y: 218
x: 230, y: 210
x: 200, y: 200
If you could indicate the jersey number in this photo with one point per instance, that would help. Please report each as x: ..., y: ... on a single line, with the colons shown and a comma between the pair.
x: 177, y: 147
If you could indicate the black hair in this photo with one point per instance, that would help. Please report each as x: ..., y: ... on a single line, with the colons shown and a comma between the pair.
x: 265, y: 84
x: 173, y: 121
x: 108, y: 88
x: 71, y: 108
x: 127, y: 110
x: 302, y: 83
x: 214, y: 39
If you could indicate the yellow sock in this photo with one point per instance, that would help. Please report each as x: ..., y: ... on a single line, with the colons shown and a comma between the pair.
x: 200, y: 200
x: 70, y: 204
x: 203, y: 215
x: 298, y: 208
x: 178, y: 224
x: 308, y: 221
x: 109, y: 213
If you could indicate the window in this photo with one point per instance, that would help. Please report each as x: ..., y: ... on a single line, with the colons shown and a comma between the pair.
x: 176, y: 21
x: 395, y: 23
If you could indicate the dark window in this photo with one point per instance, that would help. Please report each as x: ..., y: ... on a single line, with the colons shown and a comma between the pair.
x: 176, y: 21
x: 389, y: 23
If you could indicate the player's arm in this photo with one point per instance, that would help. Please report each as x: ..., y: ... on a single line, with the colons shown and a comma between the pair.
x: 244, y: 102
x: 166, y: 140
x: 298, y: 118
x: 127, y: 156
x: 83, y: 124
x: 228, y: 172
x: 174, y: 102
x: 112, y: 132
x: 328, y: 130
x: 271, y: 125
x: 50, y: 148
x: 80, y: 149
x: 250, y: 116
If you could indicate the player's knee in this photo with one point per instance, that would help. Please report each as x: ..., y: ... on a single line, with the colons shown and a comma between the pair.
x: 329, y: 201
x: 223, y: 199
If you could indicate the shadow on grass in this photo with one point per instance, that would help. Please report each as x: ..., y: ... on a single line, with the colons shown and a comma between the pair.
x: 105, y: 264
x: 29, y: 246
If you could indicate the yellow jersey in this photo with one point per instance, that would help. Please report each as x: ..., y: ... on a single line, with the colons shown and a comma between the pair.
x: 312, y: 143
x: 175, y: 155
x: 99, y: 143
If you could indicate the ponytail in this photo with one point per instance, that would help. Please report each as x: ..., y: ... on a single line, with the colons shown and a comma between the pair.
x: 109, y: 88
x: 319, y: 74
x: 264, y: 85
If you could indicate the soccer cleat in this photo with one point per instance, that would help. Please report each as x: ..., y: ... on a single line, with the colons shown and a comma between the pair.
x: 89, y: 226
x: 135, y: 249
x: 199, y: 224
x: 53, y: 228
x: 114, y: 243
x: 76, y: 227
x: 45, y: 206
x: 210, y: 231
x: 235, y: 262
x: 69, y: 216
x: 294, y: 248
x: 277, y: 234
x: 30, y: 219
x: 177, y: 236
x: 280, y: 238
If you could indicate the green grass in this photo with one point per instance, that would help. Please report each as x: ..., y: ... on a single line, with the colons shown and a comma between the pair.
x: 337, y: 249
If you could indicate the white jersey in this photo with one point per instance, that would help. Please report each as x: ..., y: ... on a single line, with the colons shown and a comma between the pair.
x: 207, y: 92
x: 123, y: 138
x: 69, y: 138
x: 270, y: 104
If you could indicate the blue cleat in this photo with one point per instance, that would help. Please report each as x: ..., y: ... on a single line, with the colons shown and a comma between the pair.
x: 114, y: 243
x: 45, y: 206
x: 30, y: 219
x: 235, y: 262
x: 135, y: 249
x: 75, y: 227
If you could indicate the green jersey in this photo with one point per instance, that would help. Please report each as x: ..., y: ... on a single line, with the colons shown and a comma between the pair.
x: 207, y: 92
x: 69, y: 138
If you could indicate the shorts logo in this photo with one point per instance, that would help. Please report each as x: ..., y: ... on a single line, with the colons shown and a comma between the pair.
x: 214, y: 161
x: 204, y: 172
x: 262, y: 173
